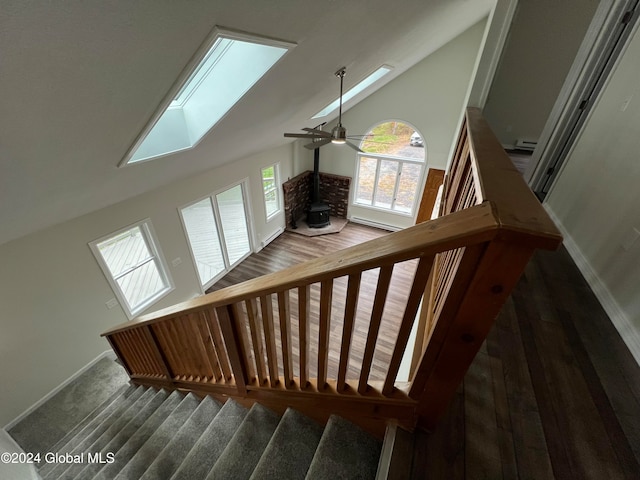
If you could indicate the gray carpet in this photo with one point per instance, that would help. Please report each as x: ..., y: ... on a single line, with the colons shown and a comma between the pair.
x: 153, y: 434
x: 48, y: 424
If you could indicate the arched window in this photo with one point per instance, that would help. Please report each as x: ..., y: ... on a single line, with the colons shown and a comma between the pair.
x: 390, y: 171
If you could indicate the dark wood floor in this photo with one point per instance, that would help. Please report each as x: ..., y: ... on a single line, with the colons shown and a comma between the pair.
x: 553, y: 393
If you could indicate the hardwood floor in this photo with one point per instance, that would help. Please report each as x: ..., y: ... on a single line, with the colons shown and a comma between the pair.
x: 553, y: 393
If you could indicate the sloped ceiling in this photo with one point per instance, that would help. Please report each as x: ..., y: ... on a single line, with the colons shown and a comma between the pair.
x: 80, y: 79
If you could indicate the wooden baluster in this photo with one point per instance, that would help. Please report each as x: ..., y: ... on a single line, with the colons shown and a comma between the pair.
x: 251, y: 305
x: 235, y: 348
x: 240, y: 323
x: 411, y: 310
x: 132, y: 351
x: 285, y: 336
x: 207, y: 341
x: 161, y: 360
x: 147, y: 364
x: 218, y: 342
x: 326, y: 294
x: 175, y: 360
x: 374, y: 326
x: 270, y: 339
x: 182, y: 338
x: 304, y: 309
x: 176, y: 338
x: 351, y: 306
x: 207, y: 368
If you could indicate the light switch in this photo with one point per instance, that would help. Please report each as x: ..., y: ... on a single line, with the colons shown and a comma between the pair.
x: 111, y: 303
x: 176, y: 261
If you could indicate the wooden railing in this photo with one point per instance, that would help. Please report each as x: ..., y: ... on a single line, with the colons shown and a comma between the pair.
x: 253, y: 341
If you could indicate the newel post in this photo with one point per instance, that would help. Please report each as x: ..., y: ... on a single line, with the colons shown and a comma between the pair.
x: 235, y: 347
x: 445, y: 362
x: 158, y: 353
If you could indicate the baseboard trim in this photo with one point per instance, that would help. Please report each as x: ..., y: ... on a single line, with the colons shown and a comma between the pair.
x: 106, y: 354
x: 629, y: 334
x: 371, y: 223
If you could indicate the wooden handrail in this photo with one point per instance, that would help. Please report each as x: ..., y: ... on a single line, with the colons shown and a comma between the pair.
x: 239, y: 341
x: 468, y: 226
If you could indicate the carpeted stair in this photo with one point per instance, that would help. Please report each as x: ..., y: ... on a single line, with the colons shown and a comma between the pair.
x: 143, y: 433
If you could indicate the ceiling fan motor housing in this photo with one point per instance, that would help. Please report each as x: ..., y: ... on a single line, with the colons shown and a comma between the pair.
x: 338, y: 134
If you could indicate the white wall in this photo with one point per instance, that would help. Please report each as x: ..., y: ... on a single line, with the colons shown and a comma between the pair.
x: 53, y: 293
x: 596, y: 198
x: 430, y: 96
x: 543, y: 40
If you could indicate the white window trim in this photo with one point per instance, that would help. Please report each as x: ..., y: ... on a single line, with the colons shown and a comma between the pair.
x: 216, y: 217
x: 276, y: 188
x: 401, y: 161
x: 151, y: 240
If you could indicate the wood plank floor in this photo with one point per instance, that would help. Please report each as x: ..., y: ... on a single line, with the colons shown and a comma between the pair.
x: 553, y: 393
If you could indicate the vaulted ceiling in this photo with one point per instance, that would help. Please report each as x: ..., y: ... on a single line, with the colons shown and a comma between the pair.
x: 80, y: 79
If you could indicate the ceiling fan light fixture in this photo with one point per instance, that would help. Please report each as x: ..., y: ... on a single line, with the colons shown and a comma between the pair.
x: 338, y: 135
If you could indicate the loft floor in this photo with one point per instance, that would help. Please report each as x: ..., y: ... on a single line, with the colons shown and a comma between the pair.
x: 553, y: 393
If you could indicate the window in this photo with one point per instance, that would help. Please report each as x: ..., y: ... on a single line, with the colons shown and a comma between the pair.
x: 270, y: 189
x: 389, y: 172
x: 217, y: 228
x: 352, y: 92
x: 133, y: 266
x: 228, y: 64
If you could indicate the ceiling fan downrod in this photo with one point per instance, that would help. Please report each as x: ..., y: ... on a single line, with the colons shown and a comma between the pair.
x: 339, y: 133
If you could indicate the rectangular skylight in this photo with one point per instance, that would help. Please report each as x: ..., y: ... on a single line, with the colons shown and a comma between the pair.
x: 370, y: 80
x: 227, y: 65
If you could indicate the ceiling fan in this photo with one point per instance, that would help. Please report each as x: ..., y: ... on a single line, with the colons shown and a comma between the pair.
x: 338, y: 134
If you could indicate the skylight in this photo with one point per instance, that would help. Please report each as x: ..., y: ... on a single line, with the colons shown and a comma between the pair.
x: 370, y: 80
x: 225, y: 68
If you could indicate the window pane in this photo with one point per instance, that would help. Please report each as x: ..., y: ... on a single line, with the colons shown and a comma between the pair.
x: 270, y: 190
x: 366, y: 180
x: 203, y: 237
x: 141, y: 284
x: 271, y: 202
x: 407, y: 188
x: 386, y: 183
x: 124, y: 251
x: 234, y: 223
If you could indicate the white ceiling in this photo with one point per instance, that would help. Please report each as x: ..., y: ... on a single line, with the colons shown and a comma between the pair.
x: 79, y: 79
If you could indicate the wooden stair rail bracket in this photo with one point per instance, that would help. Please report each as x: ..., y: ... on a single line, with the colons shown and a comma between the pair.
x: 468, y: 261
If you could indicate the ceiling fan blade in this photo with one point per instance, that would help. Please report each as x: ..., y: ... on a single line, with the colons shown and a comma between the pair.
x: 355, y: 147
x: 320, y: 133
x: 317, y: 143
x: 302, y: 135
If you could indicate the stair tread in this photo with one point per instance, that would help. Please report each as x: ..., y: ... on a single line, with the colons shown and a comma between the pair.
x: 148, y: 452
x: 122, y: 393
x: 211, y: 444
x: 290, y: 450
x: 123, y: 435
x: 92, y: 445
x: 169, y: 459
x: 245, y: 448
x: 129, y: 449
x: 91, y: 433
x: 345, y: 452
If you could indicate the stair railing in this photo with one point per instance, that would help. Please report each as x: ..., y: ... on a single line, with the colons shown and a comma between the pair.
x: 255, y: 340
